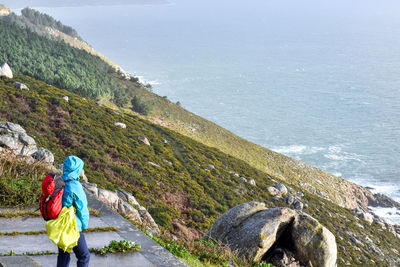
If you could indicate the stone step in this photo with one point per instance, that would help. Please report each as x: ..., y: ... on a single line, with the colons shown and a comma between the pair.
x: 17, y: 261
x: 28, y: 224
x: 111, y: 260
x: 39, y: 243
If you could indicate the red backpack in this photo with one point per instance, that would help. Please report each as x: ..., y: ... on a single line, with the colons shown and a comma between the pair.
x: 50, y: 203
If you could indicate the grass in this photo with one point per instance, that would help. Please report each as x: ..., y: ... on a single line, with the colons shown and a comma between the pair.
x: 123, y: 246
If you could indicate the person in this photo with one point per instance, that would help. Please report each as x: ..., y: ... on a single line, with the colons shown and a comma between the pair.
x: 74, y: 195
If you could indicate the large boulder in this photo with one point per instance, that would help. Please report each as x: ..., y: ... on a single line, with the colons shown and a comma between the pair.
x: 120, y: 124
x: 232, y: 218
x: 6, y: 71
x: 257, y: 233
x: 11, y: 127
x: 130, y: 212
x: 313, y: 242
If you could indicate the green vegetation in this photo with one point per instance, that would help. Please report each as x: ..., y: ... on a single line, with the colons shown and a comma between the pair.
x: 140, y: 106
x: 19, y: 183
x: 123, y: 246
x: 185, y: 195
x: 55, y: 62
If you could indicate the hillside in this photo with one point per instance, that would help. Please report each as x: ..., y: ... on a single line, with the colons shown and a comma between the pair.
x: 90, y: 76
x: 184, y: 184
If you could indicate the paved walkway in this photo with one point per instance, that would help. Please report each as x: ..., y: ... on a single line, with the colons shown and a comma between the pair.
x: 151, y: 254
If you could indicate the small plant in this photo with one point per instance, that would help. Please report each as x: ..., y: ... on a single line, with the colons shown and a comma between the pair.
x: 122, y: 246
x: 94, y: 212
x: 264, y: 264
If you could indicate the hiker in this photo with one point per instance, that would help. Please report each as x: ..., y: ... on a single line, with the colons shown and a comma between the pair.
x: 74, y: 195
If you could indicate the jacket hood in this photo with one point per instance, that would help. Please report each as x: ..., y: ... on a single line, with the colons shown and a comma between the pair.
x: 72, y: 168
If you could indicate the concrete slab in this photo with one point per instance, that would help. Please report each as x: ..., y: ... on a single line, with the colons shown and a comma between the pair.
x: 17, y: 261
x: 109, y: 260
x: 38, y: 243
x: 27, y: 224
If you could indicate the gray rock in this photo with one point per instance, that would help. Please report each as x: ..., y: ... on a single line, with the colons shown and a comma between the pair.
x: 164, y: 141
x: 258, y: 233
x: 66, y: 98
x: 7, y: 140
x: 298, y: 205
x: 282, y: 189
x: 252, y: 182
x: 272, y: 191
x: 143, y: 139
x: 130, y: 212
x: 128, y: 197
x: 43, y: 155
x: 11, y: 127
x: 20, y: 86
x: 26, y: 139
x: 232, y: 218
x: 289, y: 200
x: 243, y: 179
x: 148, y: 222
x: 120, y: 124
x: 6, y: 71
x: 313, y: 242
x: 211, y: 166
x: 153, y: 164
x: 111, y: 199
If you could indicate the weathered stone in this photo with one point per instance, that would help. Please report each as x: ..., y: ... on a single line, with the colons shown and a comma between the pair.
x: 20, y: 86
x: 28, y: 150
x: 289, y: 200
x: 282, y: 189
x: 258, y: 233
x: 164, y: 141
x: 313, y: 242
x: 298, y: 205
x: 211, y: 166
x: 128, y: 197
x: 92, y: 188
x: 272, y: 191
x: 26, y: 139
x: 148, y: 222
x: 130, y: 212
x: 120, y: 124
x: 43, y: 155
x: 111, y: 199
x: 232, y: 218
x: 66, y: 98
x: 7, y: 140
x: 6, y: 71
x: 252, y: 182
x: 12, y: 127
x: 143, y: 139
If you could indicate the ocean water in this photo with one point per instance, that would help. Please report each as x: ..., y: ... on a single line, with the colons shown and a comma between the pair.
x: 316, y: 80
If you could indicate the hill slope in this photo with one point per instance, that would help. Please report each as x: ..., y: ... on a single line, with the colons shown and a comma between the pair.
x: 89, y: 76
x: 184, y: 184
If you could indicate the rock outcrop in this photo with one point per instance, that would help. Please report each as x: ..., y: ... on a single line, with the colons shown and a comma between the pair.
x: 15, y: 138
x: 125, y: 204
x: 6, y: 71
x: 258, y: 233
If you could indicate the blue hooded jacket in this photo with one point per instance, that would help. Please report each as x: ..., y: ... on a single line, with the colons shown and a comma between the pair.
x: 73, y: 191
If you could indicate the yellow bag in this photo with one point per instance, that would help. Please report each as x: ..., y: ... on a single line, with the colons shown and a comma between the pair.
x: 64, y: 231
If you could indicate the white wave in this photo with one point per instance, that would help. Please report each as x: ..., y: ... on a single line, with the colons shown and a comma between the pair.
x: 297, y: 149
x: 144, y: 81
x: 390, y: 215
x: 338, y: 174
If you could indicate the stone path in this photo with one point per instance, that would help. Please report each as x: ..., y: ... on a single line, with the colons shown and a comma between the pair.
x: 151, y: 254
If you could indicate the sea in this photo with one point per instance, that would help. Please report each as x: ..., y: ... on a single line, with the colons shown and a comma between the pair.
x: 315, y: 80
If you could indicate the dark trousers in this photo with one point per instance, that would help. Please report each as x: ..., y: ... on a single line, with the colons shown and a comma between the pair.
x: 81, y: 252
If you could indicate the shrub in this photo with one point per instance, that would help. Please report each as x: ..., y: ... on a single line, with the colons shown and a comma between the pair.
x: 140, y: 106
